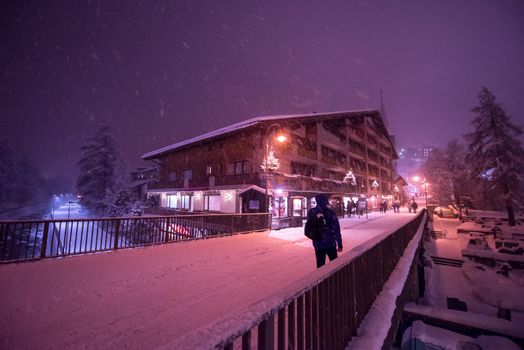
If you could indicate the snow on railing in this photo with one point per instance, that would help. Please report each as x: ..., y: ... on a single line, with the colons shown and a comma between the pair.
x: 321, y: 311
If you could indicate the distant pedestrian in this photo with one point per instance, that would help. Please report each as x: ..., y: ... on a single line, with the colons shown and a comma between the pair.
x: 349, y: 208
x: 323, y: 228
x: 396, y: 206
x: 414, y: 206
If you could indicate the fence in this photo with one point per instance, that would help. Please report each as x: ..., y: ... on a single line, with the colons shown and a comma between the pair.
x: 276, y: 223
x: 327, y: 314
x: 26, y: 240
x: 289, y: 221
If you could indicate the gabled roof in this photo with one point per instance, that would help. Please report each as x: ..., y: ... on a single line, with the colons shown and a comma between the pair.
x: 250, y: 122
x: 400, y: 181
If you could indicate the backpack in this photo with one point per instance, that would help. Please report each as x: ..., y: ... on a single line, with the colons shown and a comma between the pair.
x: 316, y: 227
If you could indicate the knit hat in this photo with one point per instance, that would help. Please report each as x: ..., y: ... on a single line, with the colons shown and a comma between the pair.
x: 321, y: 200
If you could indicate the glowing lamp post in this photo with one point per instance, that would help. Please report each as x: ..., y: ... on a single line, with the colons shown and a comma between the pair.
x: 425, y: 184
x: 69, y: 208
x: 270, y: 161
x: 54, y: 204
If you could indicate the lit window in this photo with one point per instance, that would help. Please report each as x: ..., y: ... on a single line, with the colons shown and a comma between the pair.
x: 185, y: 201
x: 171, y: 201
x: 212, y: 202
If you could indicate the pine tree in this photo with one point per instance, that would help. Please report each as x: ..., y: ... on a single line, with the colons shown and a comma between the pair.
x: 121, y: 200
x: 20, y: 180
x: 98, y: 165
x: 8, y: 173
x: 495, y: 151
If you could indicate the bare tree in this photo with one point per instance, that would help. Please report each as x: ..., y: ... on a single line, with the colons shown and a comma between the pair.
x: 448, y: 173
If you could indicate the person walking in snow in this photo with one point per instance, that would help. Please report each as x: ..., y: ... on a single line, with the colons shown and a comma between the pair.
x: 396, y: 206
x: 323, y: 228
x: 414, y: 206
x: 383, y: 206
x: 349, y: 207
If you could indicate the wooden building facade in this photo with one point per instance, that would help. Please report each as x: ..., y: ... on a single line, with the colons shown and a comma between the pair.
x: 225, y: 170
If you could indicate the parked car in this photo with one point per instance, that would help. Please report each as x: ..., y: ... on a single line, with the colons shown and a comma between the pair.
x: 446, y: 211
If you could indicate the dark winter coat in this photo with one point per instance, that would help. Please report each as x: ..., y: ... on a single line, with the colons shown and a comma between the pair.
x: 331, y: 238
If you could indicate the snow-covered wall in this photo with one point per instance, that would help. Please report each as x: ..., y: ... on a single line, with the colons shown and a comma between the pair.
x: 377, y: 324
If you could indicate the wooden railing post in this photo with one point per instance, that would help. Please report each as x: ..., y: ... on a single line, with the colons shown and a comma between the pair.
x: 301, y: 317
x: 292, y: 327
x: 281, y: 329
x: 266, y: 334
x: 246, y: 340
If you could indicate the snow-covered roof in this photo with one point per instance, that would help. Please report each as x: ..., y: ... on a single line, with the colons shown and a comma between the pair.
x: 140, y: 182
x: 144, y: 169
x: 400, y: 180
x: 245, y: 124
x: 240, y: 187
x: 256, y: 188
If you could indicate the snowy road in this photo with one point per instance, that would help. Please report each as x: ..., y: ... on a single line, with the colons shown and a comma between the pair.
x: 146, y: 298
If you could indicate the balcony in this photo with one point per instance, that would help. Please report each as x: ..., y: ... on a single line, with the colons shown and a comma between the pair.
x: 333, y: 157
x: 335, y: 140
x: 303, y: 147
x: 303, y: 152
x: 356, y: 148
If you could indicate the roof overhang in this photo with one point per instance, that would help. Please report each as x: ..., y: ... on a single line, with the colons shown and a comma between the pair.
x: 254, y: 121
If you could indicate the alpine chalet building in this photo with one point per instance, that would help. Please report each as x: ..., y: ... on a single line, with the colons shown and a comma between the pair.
x: 279, y: 163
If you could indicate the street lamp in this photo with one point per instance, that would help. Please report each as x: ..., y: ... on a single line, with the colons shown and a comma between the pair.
x: 274, y: 162
x: 54, y: 205
x: 397, y: 192
x: 69, y: 208
x: 425, y: 184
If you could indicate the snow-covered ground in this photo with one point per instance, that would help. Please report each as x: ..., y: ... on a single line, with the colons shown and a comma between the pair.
x: 150, y: 297
x: 441, y: 338
x: 478, y: 285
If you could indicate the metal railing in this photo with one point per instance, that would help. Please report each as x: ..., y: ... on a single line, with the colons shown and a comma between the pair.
x: 285, y: 222
x: 26, y: 240
x: 327, y: 314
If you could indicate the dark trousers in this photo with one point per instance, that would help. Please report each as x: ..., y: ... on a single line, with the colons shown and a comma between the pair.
x: 320, y: 254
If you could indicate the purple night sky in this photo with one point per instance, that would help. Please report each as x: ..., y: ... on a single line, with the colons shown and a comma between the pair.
x: 165, y: 71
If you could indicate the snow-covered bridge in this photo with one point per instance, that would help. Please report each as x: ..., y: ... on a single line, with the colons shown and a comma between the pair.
x: 202, y: 293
